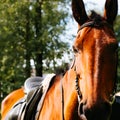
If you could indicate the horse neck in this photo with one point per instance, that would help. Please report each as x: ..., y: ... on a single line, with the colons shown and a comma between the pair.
x: 70, y: 94
x: 53, y: 107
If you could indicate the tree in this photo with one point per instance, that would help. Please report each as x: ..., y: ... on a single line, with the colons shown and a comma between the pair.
x: 29, y: 30
x: 47, y: 32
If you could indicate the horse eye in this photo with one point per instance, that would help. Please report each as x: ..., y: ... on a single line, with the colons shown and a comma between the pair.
x: 75, y: 50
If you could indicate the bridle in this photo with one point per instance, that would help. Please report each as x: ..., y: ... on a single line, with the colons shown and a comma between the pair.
x: 94, y: 23
x: 91, y: 24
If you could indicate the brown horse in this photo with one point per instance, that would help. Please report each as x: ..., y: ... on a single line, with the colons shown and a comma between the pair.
x: 10, y: 100
x: 86, y: 90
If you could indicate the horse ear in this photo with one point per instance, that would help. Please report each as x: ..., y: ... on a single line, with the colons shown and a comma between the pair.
x: 79, y: 12
x: 110, y: 11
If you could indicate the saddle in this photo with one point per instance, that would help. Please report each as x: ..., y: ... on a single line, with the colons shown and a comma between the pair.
x: 29, y: 107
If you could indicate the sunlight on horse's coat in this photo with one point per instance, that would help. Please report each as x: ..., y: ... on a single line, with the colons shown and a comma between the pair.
x: 86, y: 89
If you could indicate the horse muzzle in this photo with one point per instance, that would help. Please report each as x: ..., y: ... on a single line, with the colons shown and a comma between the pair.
x: 99, y: 111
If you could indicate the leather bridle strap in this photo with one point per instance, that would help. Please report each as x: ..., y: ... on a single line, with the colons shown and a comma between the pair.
x: 76, y: 82
x: 78, y: 88
x: 94, y: 23
x: 91, y: 23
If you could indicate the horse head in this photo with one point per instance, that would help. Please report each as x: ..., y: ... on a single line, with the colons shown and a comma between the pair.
x: 95, y: 64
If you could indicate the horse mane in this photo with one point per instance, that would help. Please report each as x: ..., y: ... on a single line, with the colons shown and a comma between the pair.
x: 95, y: 17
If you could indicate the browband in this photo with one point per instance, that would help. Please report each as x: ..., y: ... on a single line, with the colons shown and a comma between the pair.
x: 94, y: 24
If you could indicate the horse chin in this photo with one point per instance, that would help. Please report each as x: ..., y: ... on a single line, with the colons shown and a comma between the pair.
x: 82, y: 117
x: 99, y: 112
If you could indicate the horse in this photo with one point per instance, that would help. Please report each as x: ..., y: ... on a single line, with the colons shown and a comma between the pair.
x: 10, y: 100
x: 86, y: 90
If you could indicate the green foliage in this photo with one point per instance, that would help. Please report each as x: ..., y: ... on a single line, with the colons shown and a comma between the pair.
x: 29, y: 29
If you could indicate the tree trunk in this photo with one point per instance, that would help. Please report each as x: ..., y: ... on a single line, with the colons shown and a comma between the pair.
x: 38, y: 26
x: 39, y: 65
x: 28, y: 52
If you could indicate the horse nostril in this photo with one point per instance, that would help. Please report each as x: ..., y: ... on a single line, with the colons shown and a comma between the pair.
x: 80, y: 109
